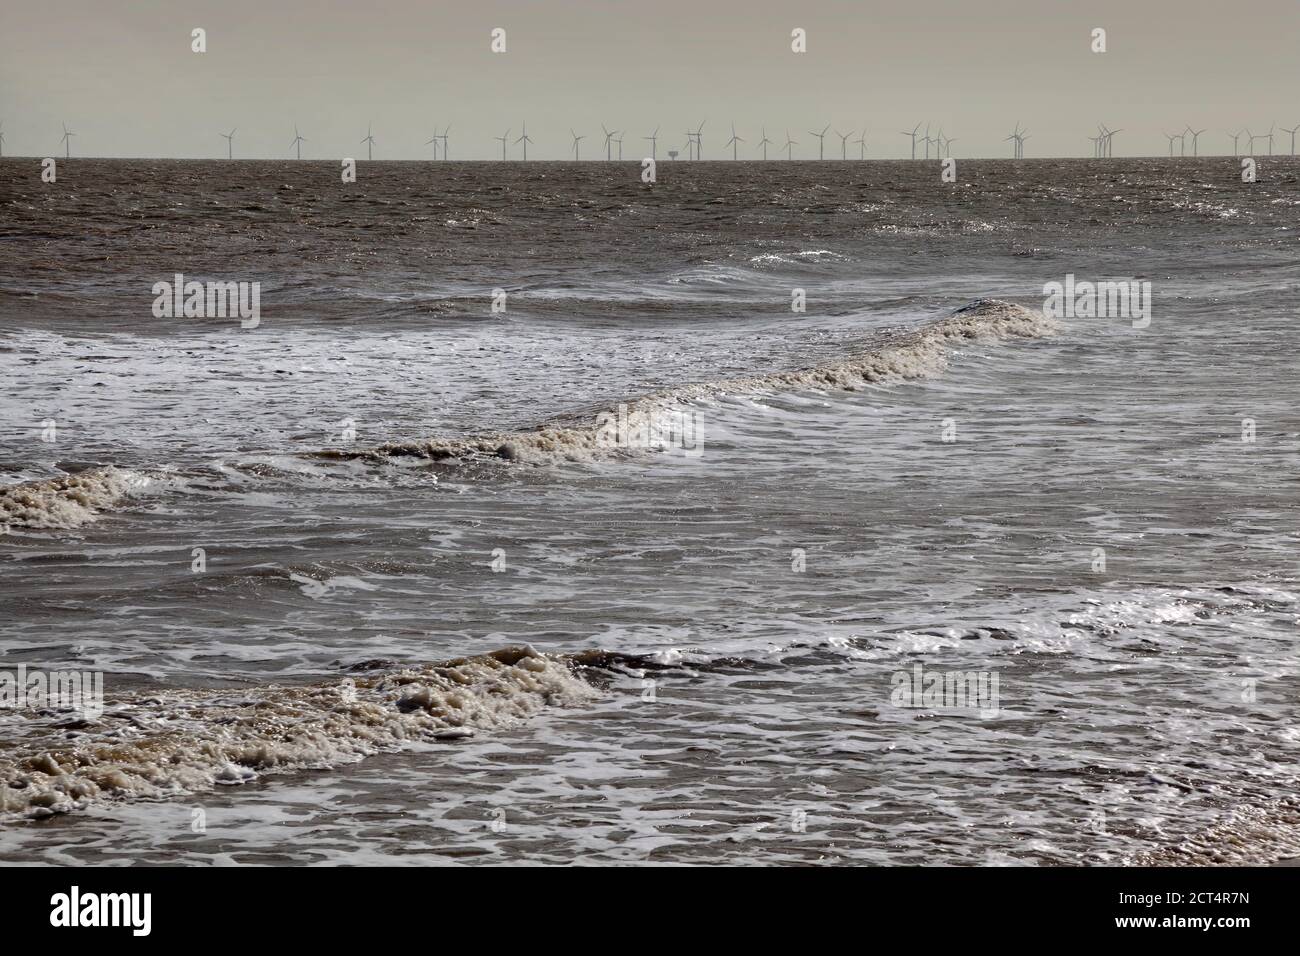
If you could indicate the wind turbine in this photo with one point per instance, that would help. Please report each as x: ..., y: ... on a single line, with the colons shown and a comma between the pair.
x: 297, y: 140
x: 947, y: 145
x: 525, y: 140
x: 1284, y: 129
x: 734, y: 143
x: 609, y: 139
x: 434, y: 141
x: 913, y: 135
x: 927, y: 140
x: 620, y: 144
x: 654, y: 142
x: 230, y: 144
x: 503, y: 139
x: 576, y: 140
x: 370, y: 143
x: 1271, y: 128
x: 821, y: 139
x: 764, y: 143
x: 861, y: 144
x: 1105, y: 141
x: 1018, y: 144
x: 941, y: 142
x: 1196, y: 135
x: 1235, y: 137
x: 844, y: 143
x: 789, y: 146
x: 699, y: 140
x: 67, y: 141
x: 443, y: 137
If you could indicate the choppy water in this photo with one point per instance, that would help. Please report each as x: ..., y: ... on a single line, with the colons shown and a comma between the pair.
x: 721, y: 631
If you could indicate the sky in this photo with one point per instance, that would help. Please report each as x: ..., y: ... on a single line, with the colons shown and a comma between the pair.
x: 123, y: 77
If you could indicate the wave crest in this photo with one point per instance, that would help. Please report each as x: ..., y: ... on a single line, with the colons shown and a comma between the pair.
x: 69, y: 501
x: 658, y: 417
x: 189, y: 741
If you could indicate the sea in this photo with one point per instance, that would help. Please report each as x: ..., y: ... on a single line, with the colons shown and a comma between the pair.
x: 763, y: 513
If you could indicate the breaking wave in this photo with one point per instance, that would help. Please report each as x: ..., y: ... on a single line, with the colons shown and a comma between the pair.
x: 69, y: 501
x: 658, y: 420
x: 189, y: 741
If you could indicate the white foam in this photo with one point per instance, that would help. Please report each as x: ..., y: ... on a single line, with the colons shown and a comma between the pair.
x: 188, y: 741
x: 69, y: 501
x: 912, y: 355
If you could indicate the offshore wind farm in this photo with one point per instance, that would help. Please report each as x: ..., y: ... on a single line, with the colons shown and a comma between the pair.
x: 919, y: 145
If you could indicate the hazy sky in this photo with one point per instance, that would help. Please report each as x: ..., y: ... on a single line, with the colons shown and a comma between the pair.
x: 122, y: 76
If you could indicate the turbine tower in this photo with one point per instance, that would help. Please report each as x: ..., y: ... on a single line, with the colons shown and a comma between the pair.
x: 699, y: 139
x: 821, y: 140
x: 941, y: 142
x: 66, y: 142
x: 576, y: 140
x: 764, y: 143
x: 619, y: 141
x: 654, y: 143
x: 443, y: 137
x: 913, y: 135
x: 1284, y: 129
x: 370, y: 143
x: 230, y: 144
x: 1196, y: 135
x: 1235, y: 137
x: 524, y: 138
x: 504, y: 137
x: 1261, y: 135
x: 434, y: 141
x: 734, y: 143
x: 609, y: 139
x: 1106, y: 139
x: 844, y: 143
x: 297, y: 140
x: 1019, y: 136
x: 789, y: 146
x: 861, y: 144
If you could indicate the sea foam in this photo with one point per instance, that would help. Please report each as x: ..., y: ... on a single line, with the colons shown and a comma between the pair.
x: 921, y: 353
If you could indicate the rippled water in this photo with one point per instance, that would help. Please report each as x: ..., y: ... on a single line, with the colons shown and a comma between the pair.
x: 756, y: 602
